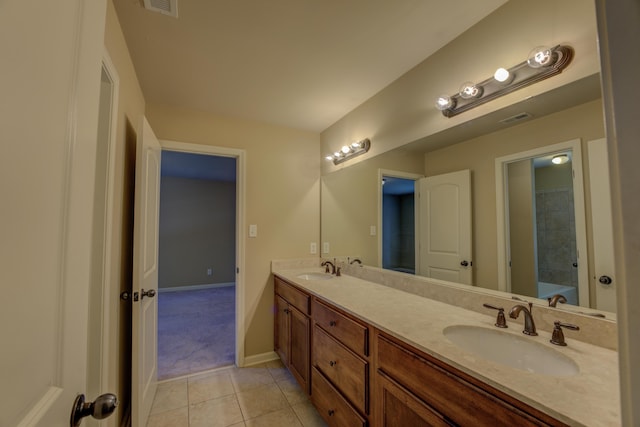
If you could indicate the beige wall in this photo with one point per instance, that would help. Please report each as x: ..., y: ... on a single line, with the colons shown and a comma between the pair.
x: 404, y: 111
x: 282, y: 199
x: 523, y: 271
x: 197, y: 232
x: 479, y: 154
x: 129, y: 116
x: 350, y: 204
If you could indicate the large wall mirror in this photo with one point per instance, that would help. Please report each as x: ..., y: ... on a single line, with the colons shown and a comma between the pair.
x: 351, y: 204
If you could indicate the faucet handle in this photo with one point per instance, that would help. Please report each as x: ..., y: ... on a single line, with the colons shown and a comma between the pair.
x: 557, y: 336
x: 501, y: 322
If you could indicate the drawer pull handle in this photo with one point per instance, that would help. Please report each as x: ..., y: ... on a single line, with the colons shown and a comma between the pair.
x: 333, y: 363
x: 286, y: 311
x: 331, y: 412
x: 333, y: 323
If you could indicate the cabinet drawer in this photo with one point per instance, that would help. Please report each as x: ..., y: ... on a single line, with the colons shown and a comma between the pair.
x: 333, y: 408
x: 351, y: 333
x: 295, y: 297
x: 453, y: 397
x: 348, y: 372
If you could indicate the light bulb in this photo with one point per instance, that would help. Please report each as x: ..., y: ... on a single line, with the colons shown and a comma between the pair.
x: 337, y: 154
x: 444, y: 102
x: 346, y: 150
x: 540, y: 56
x: 560, y: 159
x: 329, y: 157
x: 503, y: 75
x: 470, y: 90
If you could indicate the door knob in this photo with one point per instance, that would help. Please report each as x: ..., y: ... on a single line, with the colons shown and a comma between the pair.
x: 101, y: 408
x: 605, y: 280
x: 464, y: 263
x: 150, y: 293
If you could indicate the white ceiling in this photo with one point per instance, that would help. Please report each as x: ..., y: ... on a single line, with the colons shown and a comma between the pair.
x: 298, y: 63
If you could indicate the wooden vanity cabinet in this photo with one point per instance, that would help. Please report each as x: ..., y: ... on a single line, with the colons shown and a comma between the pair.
x: 292, y: 329
x: 340, y: 366
x: 413, y: 388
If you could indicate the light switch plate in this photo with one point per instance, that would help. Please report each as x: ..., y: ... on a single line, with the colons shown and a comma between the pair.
x: 253, y: 230
x: 372, y: 230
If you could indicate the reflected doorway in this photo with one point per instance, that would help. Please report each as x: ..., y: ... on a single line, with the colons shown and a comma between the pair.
x: 398, y: 219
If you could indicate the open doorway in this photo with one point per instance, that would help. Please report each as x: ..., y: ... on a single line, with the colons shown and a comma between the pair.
x: 197, y: 263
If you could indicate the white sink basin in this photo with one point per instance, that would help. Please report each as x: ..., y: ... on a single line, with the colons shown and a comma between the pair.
x: 315, y: 276
x: 515, y: 351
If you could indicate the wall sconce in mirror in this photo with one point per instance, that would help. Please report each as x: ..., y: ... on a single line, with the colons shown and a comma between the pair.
x: 542, y: 63
x: 350, y: 151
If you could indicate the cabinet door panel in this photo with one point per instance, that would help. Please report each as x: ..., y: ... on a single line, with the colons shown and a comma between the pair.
x: 348, y: 331
x: 299, y: 354
x: 294, y: 296
x: 281, y: 329
x: 342, y: 367
x: 399, y: 407
x: 332, y: 407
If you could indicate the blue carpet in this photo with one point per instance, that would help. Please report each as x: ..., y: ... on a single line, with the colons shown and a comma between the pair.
x: 196, y: 331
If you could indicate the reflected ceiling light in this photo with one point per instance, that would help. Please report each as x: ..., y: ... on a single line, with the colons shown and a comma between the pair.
x: 470, y: 90
x: 540, y: 56
x: 444, y: 102
x: 560, y: 159
x: 350, y: 151
x: 503, y: 75
x: 541, y: 63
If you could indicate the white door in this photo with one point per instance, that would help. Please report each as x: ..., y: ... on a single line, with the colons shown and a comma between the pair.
x: 145, y: 275
x: 445, y: 227
x: 602, y: 225
x: 51, y: 61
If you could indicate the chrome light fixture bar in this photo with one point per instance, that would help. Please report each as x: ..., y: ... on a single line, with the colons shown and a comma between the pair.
x: 350, y: 151
x: 541, y: 64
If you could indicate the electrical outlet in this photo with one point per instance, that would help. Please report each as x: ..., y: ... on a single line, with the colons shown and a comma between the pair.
x: 313, y: 248
x: 372, y: 230
x: 209, y: 271
x: 325, y: 248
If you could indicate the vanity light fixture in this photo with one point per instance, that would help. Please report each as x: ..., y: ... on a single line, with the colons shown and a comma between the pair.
x: 350, y: 151
x: 560, y: 159
x: 541, y: 63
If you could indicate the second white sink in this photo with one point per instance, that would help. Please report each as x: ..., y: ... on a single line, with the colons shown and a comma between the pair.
x: 515, y: 351
x: 315, y: 276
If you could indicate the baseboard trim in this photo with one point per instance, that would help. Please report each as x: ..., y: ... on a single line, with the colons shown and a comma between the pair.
x: 256, y: 359
x: 195, y: 287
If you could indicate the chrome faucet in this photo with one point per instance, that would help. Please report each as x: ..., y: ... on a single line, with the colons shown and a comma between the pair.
x: 326, y: 265
x: 529, y: 325
x: 557, y: 298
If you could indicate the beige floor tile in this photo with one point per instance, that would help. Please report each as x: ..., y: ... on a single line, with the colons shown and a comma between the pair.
x: 308, y: 414
x: 210, y: 386
x: 221, y: 412
x: 247, y: 378
x: 173, y: 418
x: 277, y: 370
x: 291, y: 390
x: 282, y: 418
x: 170, y: 395
x: 261, y: 400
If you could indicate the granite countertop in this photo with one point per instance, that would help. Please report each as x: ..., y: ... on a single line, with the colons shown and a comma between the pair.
x: 589, y: 398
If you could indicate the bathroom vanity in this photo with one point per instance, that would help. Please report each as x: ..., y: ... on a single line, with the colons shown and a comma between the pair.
x: 372, y: 355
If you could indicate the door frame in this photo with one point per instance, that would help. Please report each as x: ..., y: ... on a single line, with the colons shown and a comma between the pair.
x: 404, y: 175
x: 240, y: 156
x: 579, y: 212
x: 107, y: 379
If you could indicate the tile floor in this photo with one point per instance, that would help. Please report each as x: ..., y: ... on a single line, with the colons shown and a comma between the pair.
x: 260, y: 396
